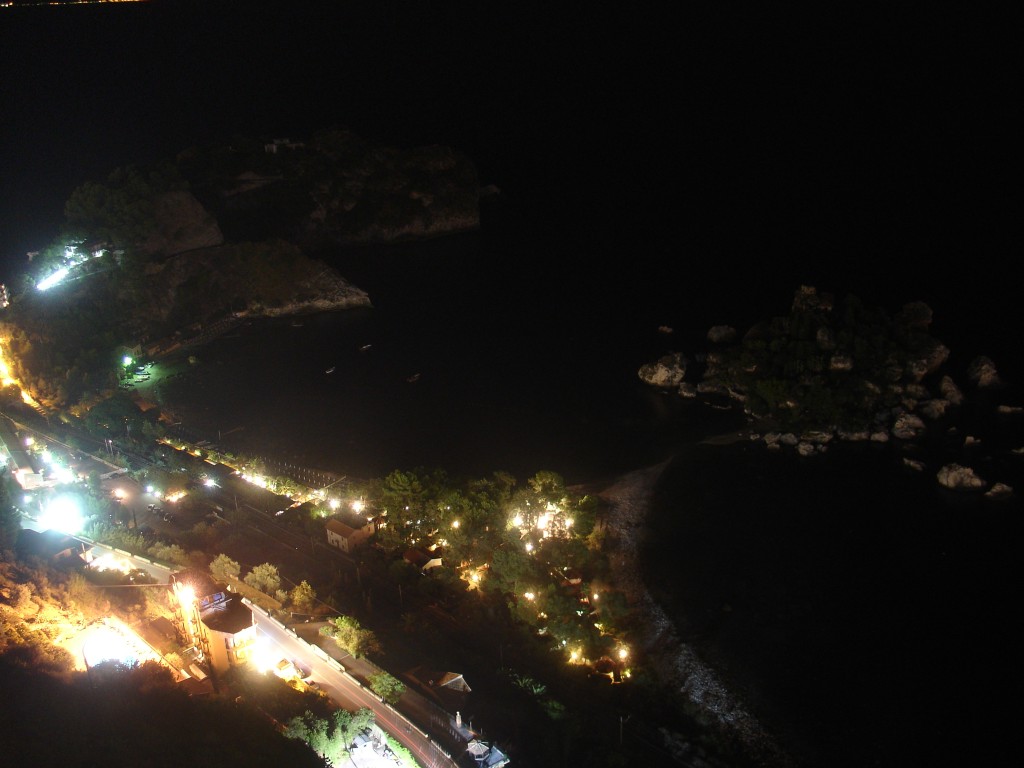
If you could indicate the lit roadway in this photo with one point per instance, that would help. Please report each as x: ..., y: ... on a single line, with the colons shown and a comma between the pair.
x: 342, y: 689
x: 346, y: 692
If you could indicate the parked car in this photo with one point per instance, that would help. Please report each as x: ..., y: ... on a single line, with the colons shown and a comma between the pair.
x: 286, y: 670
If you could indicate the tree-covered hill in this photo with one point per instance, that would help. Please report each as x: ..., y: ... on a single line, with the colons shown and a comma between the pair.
x: 221, y: 232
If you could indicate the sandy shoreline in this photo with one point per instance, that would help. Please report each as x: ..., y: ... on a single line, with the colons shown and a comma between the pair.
x: 628, y: 500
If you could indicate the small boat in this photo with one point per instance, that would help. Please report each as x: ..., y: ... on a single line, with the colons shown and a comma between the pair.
x: 331, y: 369
x: 365, y: 347
x: 414, y: 378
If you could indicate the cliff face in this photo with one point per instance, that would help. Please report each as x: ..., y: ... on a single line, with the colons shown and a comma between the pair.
x: 266, y: 279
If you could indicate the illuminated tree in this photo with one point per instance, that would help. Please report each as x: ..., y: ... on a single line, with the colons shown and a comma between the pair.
x: 303, y: 597
x: 351, y: 636
x: 330, y: 737
x: 403, y: 497
x: 316, y: 732
x: 224, y: 569
x: 348, y: 725
x: 387, y: 687
x: 264, y: 578
x: 547, y: 485
x: 169, y: 553
x: 511, y: 568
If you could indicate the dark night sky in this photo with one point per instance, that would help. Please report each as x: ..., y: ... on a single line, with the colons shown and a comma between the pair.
x: 857, y: 151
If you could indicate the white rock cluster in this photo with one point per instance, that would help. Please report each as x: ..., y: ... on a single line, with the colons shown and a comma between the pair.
x: 959, y: 478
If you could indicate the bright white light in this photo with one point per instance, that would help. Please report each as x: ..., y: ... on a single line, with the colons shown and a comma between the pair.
x: 529, y: 547
x: 256, y: 480
x: 149, y: 489
x: 63, y: 514
x: 111, y: 562
x: 334, y: 503
x: 48, y: 282
x: 104, y: 644
x: 210, y: 482
x: 126, y: 360
x: 357, y: 506
x: 262, y: 657
x: 186, y: 595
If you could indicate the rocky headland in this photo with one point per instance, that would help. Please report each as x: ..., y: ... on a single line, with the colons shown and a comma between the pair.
x: 845, y: 372
x: 161, y: 257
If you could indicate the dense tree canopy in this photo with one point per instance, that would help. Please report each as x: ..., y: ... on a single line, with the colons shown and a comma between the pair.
x: 136, y: 714
x: 824, y: 366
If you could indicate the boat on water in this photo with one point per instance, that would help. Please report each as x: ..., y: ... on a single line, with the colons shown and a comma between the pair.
x: 331, y: 369
x: 414, y: 378
x: 365, y: 347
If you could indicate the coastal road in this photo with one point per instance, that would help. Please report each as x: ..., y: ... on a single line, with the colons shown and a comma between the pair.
x: 347, y: 692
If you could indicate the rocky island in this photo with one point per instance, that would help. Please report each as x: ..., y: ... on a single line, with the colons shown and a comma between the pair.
x: 839, y: 371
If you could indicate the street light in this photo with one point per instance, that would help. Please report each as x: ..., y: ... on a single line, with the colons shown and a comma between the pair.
x: 62, y: 514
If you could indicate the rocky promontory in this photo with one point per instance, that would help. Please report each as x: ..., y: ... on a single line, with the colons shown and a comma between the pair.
x: 166, y: 254
x: 843, y: 371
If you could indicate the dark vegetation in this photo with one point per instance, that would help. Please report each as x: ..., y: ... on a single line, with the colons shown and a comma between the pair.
x: 335, y: 188
x: 146, y: 265
x: 824, y: 366
x: 128, y: 716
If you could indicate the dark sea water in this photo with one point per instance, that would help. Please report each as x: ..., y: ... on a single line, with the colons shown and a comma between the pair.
x: 473, y: 358
x: 862, y: 612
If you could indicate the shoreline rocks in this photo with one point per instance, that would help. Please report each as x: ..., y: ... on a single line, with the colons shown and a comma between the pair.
x: 677, y: 664
x: 792, y: 364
